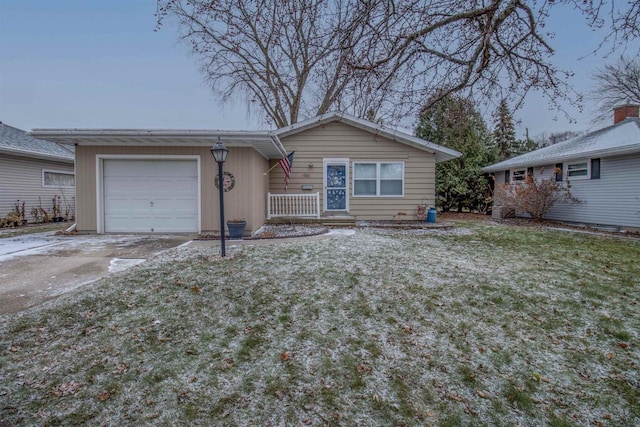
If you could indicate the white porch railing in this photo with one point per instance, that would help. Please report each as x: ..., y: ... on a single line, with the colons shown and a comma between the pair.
x: 294, y: 205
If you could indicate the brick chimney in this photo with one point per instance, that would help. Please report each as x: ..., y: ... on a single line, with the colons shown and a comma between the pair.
x: 624, y: 111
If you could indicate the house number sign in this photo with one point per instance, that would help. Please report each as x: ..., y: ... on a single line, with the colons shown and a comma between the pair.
x: 228, y: 181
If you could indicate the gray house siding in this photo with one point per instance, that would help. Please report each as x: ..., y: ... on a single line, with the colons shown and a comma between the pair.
x: 614, y: 199
x: 21, y: 179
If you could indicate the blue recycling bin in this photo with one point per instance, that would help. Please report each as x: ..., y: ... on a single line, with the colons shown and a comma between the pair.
x: 431, y: 215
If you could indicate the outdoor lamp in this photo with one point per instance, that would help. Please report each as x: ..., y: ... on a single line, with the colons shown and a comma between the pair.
x: 219, y: 152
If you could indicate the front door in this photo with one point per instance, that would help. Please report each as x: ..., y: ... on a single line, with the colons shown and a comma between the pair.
x: 336, y: 185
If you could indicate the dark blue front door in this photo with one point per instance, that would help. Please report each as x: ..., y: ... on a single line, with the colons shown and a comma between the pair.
x: 336, y: 186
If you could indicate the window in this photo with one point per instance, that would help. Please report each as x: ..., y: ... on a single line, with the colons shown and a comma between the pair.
x: 507, y: 174
x: 518, y: 175
x: 378, y: 179
x: 578, y: 170
x: 58, y: 179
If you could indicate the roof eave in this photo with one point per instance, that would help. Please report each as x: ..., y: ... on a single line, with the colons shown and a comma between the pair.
x: 543, y: 162
x: 155, y: 137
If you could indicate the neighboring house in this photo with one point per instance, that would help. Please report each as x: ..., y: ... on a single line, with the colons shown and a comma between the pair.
x: 34, y: 171
x: 163, y: 180
x: 602, y: 167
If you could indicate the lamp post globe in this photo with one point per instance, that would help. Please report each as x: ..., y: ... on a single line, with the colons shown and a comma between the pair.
x: 219, y: 153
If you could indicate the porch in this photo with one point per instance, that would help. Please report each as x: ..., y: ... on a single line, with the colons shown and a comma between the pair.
x: 303, y: 209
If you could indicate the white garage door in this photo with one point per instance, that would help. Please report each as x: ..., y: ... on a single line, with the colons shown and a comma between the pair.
x: 150, y: 196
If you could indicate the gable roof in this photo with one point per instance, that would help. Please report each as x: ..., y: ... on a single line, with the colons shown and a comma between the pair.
x: 263, y: 142
x: 19, y: 143
x: 442, y: 153
x: 618, y: 139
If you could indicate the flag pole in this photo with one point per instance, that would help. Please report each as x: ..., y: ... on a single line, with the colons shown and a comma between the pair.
x: 272, y: 167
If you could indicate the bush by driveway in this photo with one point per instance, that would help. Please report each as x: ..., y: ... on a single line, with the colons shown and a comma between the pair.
x: 481, y: 325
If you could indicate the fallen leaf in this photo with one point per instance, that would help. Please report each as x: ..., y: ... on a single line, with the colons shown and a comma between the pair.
x: 623, y: 345
x: 285, y: 356
x: 484, y: 394
x: 610, y: 355
x: 104, y: 396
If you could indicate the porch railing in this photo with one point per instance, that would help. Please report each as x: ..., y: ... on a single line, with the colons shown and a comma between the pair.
x: 293, y: 205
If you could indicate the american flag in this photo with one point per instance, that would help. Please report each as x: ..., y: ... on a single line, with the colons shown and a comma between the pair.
x: 286, y: 163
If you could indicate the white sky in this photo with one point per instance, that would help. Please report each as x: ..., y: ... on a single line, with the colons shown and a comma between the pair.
x: 100, y: 64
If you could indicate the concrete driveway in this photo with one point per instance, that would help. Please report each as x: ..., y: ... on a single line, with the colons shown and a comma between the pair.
x: 37, y: 267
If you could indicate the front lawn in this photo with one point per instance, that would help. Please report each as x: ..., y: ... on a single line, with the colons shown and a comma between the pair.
x: 484, y: 324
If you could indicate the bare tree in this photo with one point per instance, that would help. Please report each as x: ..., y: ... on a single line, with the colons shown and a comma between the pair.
x: 616, y: 84
x: 287, y: 57
x: 490, y: 49
x: 547, y: 139
x: 377, y: 57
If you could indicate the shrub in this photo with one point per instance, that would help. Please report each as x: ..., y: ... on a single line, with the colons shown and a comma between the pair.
x: 534, y: 196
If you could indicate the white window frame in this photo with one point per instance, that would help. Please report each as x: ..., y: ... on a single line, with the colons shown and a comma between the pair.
x: 518, y: 171
x: 577, y: 162
x: 377, y: 179
x: 45, y: 185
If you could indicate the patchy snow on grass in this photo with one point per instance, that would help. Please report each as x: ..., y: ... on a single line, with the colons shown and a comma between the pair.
x: 478, y: 325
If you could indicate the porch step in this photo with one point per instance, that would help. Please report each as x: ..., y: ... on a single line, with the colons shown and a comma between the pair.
x: 337, y: 221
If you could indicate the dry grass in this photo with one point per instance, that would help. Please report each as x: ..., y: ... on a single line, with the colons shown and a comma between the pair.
x: 481, y: 325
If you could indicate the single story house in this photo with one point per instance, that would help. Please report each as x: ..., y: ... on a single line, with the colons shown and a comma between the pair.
x: 165, y: 180
x: 34, y: 171
x: 602, y: 167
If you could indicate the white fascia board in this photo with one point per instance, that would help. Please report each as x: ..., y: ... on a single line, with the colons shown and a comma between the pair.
x: 263, y: 142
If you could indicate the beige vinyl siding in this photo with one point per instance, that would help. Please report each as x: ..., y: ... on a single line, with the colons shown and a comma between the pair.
x: 21, y: 179
x: 246, y: 200
x: 337, y: 140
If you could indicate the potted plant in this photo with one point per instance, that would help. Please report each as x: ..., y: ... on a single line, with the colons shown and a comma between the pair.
x: 236, y: 228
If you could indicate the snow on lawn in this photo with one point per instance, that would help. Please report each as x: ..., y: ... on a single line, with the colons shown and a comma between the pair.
x: 477, y: 325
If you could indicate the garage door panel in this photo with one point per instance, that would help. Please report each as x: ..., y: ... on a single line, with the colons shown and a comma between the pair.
x: 150, y: 195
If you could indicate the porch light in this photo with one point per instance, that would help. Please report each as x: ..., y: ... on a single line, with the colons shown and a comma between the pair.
x: 219, y: 153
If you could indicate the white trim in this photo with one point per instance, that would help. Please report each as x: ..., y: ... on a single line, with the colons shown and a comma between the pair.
x: 60, y: 172
x: 377, y: 179
x: 335, y: 161
x: 565, y: 167
x: 100, y: 176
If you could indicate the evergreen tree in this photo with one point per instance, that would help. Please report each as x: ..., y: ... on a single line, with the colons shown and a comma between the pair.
x: 504, y: 133
x: 454, y: 122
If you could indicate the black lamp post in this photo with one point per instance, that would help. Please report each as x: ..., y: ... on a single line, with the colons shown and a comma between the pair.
x: 220, y: 152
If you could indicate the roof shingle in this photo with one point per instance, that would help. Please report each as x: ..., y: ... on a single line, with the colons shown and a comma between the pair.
x: 621, y: 138
x: 19, y: 142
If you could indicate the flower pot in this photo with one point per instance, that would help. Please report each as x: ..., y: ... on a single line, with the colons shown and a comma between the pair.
x: 236, y: 230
